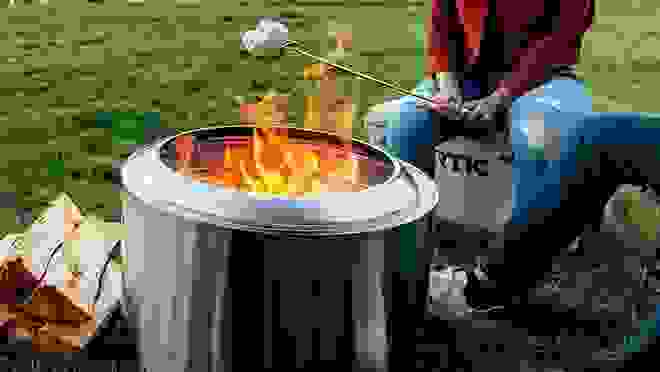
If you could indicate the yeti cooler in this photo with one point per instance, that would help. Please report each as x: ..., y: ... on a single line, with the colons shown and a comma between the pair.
x: 474, y: 181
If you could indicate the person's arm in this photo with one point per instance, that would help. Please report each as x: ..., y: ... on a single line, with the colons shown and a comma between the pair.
x: 574, y: 19
x: 442, y: 49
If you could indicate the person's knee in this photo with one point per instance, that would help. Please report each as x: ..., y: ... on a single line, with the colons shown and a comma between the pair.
x: 542, y: 123
x: 528, y: 114
x: 565, y: 95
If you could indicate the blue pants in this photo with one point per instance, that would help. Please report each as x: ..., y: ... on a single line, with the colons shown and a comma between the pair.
x: 410, y: 131
x: 553, y: 202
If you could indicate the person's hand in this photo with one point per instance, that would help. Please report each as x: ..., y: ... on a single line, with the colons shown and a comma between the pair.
x: 443, y: 104
x: 486, y: 108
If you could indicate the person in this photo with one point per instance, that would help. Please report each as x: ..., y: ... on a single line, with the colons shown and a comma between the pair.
x: 503, y: 57
x: 496, y: 56
x: 561, y: 183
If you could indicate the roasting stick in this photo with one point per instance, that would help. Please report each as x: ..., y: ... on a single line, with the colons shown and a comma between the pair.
x: 340, y: 67
x: 290, y: 46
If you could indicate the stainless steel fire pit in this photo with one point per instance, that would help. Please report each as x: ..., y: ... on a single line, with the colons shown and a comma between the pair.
x: 225, y: 280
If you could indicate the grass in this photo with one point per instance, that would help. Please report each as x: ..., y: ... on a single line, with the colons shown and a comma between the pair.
x: 63, y: 62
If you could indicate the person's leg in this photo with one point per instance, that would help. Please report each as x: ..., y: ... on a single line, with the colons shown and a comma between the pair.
x: 607, y: 149
x: 544, y: 124
x: 538, y: 121
x: 407, y: 130
x: 600, y: 152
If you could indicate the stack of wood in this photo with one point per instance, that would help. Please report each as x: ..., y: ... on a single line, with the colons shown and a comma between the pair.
x: 50, y: 290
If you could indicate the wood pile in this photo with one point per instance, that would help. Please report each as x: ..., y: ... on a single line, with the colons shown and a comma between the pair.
x: 50, y: 291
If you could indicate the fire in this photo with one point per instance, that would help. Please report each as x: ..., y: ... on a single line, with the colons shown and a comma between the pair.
x: 269, y: 162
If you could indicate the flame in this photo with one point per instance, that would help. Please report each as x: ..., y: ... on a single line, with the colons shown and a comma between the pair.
x: 269, y: 162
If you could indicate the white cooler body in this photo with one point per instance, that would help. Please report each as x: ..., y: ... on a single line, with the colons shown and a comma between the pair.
x: 474, y: 182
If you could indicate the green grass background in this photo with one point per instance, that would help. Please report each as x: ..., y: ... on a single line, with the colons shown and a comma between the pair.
x: 61, y: 63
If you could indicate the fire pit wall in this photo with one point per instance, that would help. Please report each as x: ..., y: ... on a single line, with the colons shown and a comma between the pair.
x: 208, y: 295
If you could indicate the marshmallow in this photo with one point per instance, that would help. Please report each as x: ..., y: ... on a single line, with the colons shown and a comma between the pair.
x: 269, y: 34
x: 269, y: 25
x: 251, y: 40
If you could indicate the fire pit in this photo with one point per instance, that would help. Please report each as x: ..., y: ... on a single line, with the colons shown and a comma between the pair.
x: 238, y: 234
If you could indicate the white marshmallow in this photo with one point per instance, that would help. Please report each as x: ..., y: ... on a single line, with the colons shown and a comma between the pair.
x: 251, y: 40
x: 271, y: 26
x: 269, y: 34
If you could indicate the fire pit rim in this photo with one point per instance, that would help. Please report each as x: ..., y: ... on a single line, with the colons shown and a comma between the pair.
x: 391, y: 160
x: 384, y: 215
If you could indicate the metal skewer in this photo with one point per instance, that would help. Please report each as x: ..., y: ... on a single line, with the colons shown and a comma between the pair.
x: 290, y: 45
